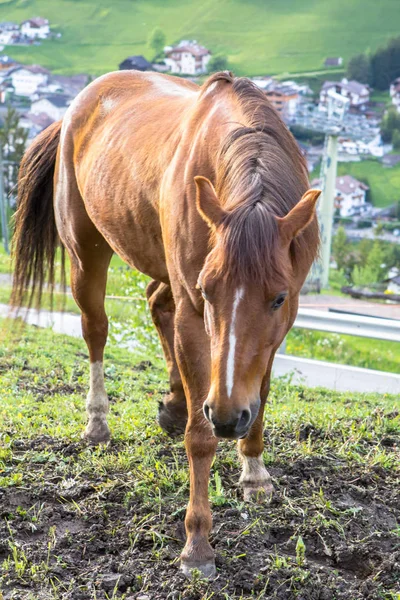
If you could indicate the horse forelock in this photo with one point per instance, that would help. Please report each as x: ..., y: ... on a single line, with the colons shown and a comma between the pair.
x: 260, y: 175
x: 249, y: 248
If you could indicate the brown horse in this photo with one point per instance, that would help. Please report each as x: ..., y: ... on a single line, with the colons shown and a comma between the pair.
x: 204, y: 190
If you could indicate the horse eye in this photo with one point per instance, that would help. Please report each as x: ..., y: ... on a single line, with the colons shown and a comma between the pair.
x: 278, y: 302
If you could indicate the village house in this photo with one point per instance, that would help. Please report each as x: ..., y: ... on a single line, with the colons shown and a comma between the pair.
x: 357, y: 93
x: 359, y: 147
x: 36, y: 28
x: 27, y: 79
x: 69, y: 85
x: 34, y: 124
x: 137, y: 63
x: 284, y: 100
x: 6, y: 62
x: 285, y: 96
x: 8, y: 32
x: 333, y: 61
x: 395, y: 93
x: 53, y: 106
x: 350, y: 195
x: 187, y: 58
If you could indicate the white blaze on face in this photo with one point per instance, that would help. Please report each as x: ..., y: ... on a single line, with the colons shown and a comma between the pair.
x: 230, y: 365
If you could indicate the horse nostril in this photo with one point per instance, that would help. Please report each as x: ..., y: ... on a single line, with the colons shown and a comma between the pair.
x: 244, y: 420
x: 206, y: 411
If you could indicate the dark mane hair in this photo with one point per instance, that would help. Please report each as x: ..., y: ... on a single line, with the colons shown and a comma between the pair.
x: 261, y: 174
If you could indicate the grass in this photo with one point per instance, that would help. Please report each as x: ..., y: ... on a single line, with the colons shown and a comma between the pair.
x: 102, y: 523
x: 384, y: 183
x: 344, y: 349
x: 142, y: 478
x: 258, y: 37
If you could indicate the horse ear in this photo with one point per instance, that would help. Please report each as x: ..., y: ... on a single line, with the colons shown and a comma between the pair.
x: 299, y: 217
x: 207, y: 202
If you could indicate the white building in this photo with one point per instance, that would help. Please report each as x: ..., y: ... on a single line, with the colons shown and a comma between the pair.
x: 26, y: 80
x: 395, y: 93
x: 187, y: 58
x: 357, y: 93
x: 53, y: 106
x: 360, y: 147
x: 36, y: 28
x: 6, y: 37
x: 350, y: 195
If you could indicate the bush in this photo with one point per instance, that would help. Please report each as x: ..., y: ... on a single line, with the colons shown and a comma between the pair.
x: 218, y: 62
x: 391, y: 226
x: 364, y: 223
x: 307, y: 135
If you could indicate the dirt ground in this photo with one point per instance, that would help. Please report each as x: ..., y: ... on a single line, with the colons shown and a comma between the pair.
x: 112, y: 548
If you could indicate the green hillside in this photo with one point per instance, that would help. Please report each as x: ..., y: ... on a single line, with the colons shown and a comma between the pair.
x: 384, y: 183
x: 258, y: 36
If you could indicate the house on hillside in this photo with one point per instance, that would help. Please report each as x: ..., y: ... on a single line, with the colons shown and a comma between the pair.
x: 53, y: 106
x: 361, y: 147
x: 6, y: 62
x: 9, y: 32
x: 357, y: 93
x: 395, y: 93
x: 284, y: 99
x: 36, y: 28
x: 34, y: 124
x: 187, y: 58
x: 136, y: 63
x: 69, y: 85
x: 26, y: 79
x: 350, y: 195
x: 333, y: 61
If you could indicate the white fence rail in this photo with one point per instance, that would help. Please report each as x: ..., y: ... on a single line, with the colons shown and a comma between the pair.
x: 316, y: 373
x: 362, y: 326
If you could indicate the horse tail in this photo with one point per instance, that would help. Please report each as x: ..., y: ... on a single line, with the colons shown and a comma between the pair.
x: 35, y: 239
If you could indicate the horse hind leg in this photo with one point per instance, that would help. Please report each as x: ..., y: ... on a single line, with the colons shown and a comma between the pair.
x: 89, y: 266
x: 172, y: 414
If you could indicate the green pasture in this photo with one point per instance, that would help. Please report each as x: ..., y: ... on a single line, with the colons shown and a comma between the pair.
x: 137, y: 487
x: 384, y: 182
x: 257, y: 36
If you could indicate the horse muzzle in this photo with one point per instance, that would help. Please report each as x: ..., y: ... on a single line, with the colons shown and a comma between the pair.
x: 233, y: 426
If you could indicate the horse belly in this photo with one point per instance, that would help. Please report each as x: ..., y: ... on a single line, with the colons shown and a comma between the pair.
x: 133, y: 231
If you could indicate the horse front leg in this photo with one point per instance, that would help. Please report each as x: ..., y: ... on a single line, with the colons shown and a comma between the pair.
x: 193, y: 355
x: 255, y: 479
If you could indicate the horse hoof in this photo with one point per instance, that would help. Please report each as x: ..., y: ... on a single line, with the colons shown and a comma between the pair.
x: 171, y: 421
x: 207, y: 569
x: 258, y: 493
x: 97, y: 435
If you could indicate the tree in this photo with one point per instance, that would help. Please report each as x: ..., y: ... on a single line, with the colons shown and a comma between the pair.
x: 359, y: 68
x: 156, y: 41
x: 393, y: 49
x: 340, y: 248
x: 376, y: 261
x: 390, y: 123
x: 380, y: 67
x: 218, y: 62
x: 364, y: 249
x: 396, y: 139
x: 13, y: 142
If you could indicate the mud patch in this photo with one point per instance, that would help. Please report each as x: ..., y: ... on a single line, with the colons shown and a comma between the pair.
x: 99, y: 537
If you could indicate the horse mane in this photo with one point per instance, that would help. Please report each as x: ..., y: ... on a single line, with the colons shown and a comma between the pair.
x: 261, y: 174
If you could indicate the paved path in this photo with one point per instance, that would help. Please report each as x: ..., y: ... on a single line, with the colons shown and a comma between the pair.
x: 60, y: 322
x: 361, y: 307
